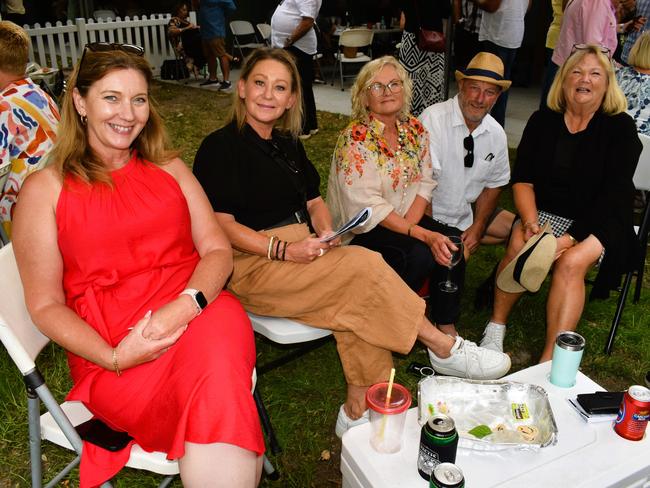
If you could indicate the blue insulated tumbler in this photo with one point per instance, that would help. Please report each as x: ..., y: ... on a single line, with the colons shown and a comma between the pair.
x: 567, y: 354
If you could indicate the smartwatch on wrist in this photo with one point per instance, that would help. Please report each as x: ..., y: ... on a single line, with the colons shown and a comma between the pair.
x: 198, y: 298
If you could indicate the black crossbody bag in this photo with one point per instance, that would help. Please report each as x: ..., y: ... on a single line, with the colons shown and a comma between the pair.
x: 290, y: 167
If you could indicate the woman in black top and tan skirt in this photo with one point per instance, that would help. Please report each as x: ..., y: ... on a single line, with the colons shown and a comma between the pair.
x: 266, y: 196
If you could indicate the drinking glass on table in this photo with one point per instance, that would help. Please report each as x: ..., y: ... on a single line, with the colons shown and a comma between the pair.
x: 449, y: 286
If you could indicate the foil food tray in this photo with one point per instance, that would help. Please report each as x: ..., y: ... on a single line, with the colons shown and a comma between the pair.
x: 518, y: 415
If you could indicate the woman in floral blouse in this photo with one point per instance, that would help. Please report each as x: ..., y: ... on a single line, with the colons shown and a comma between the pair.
x: 382, y: 161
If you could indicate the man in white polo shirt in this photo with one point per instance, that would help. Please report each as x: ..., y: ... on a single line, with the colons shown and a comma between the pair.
x: 469, y: 152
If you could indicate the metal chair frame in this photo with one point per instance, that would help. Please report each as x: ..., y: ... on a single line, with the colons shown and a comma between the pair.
x: 240, y: 28
x: 284, y: 332
x: 265, y: 31
x: 641, y: 182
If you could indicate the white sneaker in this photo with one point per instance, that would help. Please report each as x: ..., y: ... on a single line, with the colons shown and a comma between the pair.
x: 343, y: 422
x: 493, y: 336
x: 467, y: 360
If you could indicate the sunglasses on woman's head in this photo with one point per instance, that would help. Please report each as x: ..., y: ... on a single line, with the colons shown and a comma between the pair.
x: 582, y: 47
x: 468, y: 144
x: 102, y: 47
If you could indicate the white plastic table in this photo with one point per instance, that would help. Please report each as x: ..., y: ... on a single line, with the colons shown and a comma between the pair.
x: 586, y: 455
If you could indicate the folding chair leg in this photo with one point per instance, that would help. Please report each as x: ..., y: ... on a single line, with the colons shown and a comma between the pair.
x: 60, y: 418
x: 4, y: 238
x: 34, y: 397
x: 619, y: 312
x: 639, y: 281
x: 166, y: 481
x: 269, y: 469
x: 34, y: 415
x: 643, y: 234
x: 266, y: 423
x: 341, y: 72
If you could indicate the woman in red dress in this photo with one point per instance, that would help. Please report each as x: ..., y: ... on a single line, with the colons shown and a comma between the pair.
x: 123, y: 264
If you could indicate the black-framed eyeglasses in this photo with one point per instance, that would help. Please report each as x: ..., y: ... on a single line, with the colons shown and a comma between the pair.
x: 468, y: 144
x: 102, y: 47
x: 586, y: 47
x: 280, y: 157
x: 379, y: 89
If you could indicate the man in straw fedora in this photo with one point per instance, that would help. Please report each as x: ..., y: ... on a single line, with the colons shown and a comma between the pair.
x: 469, y: 152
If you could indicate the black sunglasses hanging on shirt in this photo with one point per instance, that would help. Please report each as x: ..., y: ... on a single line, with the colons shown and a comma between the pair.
x: 468, y: 144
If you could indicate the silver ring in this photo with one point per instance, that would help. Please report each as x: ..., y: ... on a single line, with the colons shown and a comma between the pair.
x: 321, y: 251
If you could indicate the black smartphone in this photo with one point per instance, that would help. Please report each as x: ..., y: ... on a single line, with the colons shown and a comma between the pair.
x: 601, y: 401
x: 97, y: 432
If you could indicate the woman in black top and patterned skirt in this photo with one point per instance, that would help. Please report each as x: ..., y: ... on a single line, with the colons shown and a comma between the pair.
x: 574, y: 169
x: 426, y: 69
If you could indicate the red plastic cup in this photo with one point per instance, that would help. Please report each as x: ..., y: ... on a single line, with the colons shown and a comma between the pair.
x: 387, y: 420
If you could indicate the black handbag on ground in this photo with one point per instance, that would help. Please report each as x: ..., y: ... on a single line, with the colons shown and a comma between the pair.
x: 174, y: 69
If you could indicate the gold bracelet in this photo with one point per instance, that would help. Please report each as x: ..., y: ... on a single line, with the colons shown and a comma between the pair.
x: 115, y: 365
x: 268, y: 252
x: 574, y: 241
x: 408, y: 232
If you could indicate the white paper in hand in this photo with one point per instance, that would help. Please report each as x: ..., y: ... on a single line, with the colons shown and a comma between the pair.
x: 356, y: 221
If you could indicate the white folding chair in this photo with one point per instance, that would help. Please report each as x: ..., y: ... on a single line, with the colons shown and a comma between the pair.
x: 356, y: 39
x: 642, y: 183
x: 243, y: 28
x: 265, y: 31
x: 24, y: 342
x: 286, y: 332
x: 5, y: 167
x: 104, y: 15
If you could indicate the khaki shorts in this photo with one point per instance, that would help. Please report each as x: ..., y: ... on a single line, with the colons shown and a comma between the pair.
x: 217, y: 46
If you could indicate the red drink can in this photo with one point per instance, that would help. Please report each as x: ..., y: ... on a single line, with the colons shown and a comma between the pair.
x: 634, y: 413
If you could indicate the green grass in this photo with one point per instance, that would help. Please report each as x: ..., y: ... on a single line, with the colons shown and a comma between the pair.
x: 303, y: 397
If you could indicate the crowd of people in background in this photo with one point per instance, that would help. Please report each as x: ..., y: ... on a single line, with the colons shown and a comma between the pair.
x: 252, y: 230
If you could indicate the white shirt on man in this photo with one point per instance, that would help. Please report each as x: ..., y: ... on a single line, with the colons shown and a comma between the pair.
x: 458, y: 186
x: 285, y: 19
x: 505, y: 27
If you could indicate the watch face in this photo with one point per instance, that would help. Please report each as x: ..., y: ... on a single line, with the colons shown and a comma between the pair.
x: 200, y: 299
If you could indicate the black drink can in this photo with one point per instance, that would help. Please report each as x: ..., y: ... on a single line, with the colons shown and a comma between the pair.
x: 438, y: 444
x: 447, y: 475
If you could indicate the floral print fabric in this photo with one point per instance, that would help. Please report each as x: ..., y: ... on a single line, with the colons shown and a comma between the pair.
x: 367, y: 172
x: 636, y: 87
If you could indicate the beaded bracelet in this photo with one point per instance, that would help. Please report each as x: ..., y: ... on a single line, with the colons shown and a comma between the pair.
x: 277, y: 249
x: 116, y: 366
x: 284, y: 249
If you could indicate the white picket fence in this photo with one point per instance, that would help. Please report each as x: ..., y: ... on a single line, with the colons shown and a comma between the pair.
x: 61, y: 45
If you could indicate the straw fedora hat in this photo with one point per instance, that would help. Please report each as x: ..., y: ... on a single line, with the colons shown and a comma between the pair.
x: 527, y: 271
x: 485, y: 67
